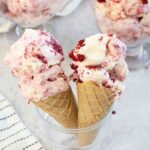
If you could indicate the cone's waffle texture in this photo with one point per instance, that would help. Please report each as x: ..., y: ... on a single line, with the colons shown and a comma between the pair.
x: 94, y: 102
x: 62, y: 107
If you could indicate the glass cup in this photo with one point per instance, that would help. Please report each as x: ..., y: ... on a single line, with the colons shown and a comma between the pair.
x: 130, y: 22
x: 90, y: 138
x: 30, y: 13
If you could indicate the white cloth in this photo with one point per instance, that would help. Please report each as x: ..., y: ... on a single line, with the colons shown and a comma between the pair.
x: 13, y: 133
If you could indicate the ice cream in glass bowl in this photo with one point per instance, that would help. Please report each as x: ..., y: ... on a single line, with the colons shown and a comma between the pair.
x: 30, y: 13
x: 129, y: 20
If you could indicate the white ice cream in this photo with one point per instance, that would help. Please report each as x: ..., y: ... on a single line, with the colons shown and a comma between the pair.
x: 100, y: 58
x: 31, y: 13
x: 36, y: 59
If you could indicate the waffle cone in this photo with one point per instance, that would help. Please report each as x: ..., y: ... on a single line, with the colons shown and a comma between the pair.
x: 62, y: 107
x: 94, y: 102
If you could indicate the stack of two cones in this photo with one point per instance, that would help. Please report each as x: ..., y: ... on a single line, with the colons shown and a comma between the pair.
x: 94, y: 102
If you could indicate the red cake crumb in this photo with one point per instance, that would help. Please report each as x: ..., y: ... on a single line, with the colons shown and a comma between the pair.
x: 56, y: 46
x: 80, y: 57
x: 51, y: 79
x: 73, y: 66
x: 80, y: 44
x: 145, y: 1
x: 101, y: 1
x: 71, y: 55
x: 94, y: 67
x: 105, y: 84
x: 41, y: 58
x: 80, y: 81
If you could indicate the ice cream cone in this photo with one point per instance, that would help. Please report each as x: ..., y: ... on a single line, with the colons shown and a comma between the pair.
x: 94, y: 102
x: 62, y: 107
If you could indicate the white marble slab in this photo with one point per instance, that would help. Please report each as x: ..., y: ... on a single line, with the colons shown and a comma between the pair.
x: 130, y: 125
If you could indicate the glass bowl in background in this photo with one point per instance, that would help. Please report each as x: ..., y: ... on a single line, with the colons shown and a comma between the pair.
x: 129, y: 20
x: 30, y: 13
x: 89, y: 138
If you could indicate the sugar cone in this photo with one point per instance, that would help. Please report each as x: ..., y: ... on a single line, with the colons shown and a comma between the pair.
x: 94, y: 102
x: 62, y: 107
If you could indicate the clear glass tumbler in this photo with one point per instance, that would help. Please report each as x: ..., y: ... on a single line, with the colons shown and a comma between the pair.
x: 90, y: 138
x: 129, y: 20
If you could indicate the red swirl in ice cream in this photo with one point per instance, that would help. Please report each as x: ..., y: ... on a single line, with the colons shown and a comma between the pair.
x: 124, y: 18
x: 100, y: 58
x: 31, y: 13
x: 36, y: 58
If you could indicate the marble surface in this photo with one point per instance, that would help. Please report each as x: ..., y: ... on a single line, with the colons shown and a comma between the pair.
x: 130, y: 124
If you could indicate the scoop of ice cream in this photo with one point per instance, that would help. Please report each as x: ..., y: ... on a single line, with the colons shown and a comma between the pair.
x: 100, y: 58
x: 35, y: 58
x: 32, y: 52
x: 115, y: 9
x: 124, y: 18
x: 32, y: 13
